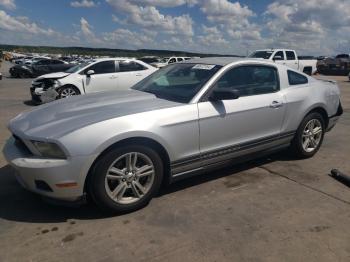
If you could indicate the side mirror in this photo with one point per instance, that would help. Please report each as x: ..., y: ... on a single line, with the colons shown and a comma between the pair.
x: 224, y: 94
x: 90, y: 72
x: 277, y: 57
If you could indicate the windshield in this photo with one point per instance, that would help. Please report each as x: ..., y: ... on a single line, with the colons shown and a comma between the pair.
x: 177, y: 82
x: 164, y: 60
x: 76, y: 68
x: 261, y: 54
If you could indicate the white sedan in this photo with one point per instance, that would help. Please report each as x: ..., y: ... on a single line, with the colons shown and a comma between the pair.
x: 95, y: 76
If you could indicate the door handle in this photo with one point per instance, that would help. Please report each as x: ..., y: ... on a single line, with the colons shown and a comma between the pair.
x: 138, y: 75
x: 276, y: 104
x: 113, y: 77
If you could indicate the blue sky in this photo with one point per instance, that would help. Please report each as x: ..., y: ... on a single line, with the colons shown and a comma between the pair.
x: 218, y: 26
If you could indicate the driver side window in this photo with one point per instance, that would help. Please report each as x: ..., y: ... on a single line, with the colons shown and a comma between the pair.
x: 173, y: 60
x: 105, y: 67
x: 279, y: 56
x: 250, y: 80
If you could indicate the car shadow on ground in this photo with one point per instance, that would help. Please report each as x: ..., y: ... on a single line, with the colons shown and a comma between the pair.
x: 17, y: 204
x: 30, y: 103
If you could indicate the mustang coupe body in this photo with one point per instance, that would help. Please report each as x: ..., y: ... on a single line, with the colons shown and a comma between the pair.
x: 118, y: 147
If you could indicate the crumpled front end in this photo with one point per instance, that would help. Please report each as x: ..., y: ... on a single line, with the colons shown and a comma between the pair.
x: 43, y: 90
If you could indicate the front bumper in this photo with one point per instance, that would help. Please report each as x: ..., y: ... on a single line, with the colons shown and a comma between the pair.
x: 46, y: 176
x: 35, y: 97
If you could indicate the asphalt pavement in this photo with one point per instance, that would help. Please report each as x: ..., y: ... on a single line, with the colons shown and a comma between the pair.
x: 272, y: 209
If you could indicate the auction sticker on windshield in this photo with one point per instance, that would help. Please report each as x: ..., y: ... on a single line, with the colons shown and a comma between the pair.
x: 203, y: 67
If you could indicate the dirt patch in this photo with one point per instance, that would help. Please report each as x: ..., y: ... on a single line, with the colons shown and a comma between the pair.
x: 71, y: 237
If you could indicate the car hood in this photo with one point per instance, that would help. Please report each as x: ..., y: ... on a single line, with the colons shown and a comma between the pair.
x: 53, y: 75
x: 63, y: 116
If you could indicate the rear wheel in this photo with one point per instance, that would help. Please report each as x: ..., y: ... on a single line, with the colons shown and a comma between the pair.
x: 125, y: 179
x: 23, y: 75
x: 309, y: 136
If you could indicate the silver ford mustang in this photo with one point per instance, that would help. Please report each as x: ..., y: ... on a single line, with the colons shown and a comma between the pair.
x: 118, y: 147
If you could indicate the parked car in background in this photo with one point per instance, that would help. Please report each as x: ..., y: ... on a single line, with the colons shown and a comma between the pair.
x: 288, y: 58
x: 39, y: 67
x: 150, y: 59
x: 169, y: 60
x: 100, y: 75
x: 29, y: 60
x: 118, y: 147
x: 340, y: 65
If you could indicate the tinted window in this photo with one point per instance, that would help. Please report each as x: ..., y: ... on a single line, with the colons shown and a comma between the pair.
x: 280, y: 54
x: 105, y: 67
x: 177, y: 82
x: 296, y: 79
x: 43, y: 62
x: 250, y: 80
x: 56, y: 62
x: 261, y: 54
x: 130, y: 66
x: 173, y: 60
x: 180, y: 59
x: 290, y: 55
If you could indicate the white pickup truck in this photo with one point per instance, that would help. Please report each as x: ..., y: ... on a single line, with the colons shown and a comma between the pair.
x: 288, y: 58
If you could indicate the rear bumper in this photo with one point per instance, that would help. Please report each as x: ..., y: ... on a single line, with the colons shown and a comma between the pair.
x: 47, y: 176
x: 334, y: 119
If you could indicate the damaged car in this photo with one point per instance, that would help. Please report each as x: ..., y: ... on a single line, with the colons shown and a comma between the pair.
x: 95, y: 76
x: 339, y: 65
x: 38, y: 68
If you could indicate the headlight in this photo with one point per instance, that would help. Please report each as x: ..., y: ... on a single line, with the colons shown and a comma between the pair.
x: 50, y: 150
x: 56, y: 83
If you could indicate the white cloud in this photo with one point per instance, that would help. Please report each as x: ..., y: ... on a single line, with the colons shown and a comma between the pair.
x: 22, y: 24
x: 147, y: 16
x: 125, y: 37
x: 212, y: 37
x: 309, y: 26
x: 87, y: 32
x: 224, y: 11
x: 83, y: 3
x: 164, y: 3
x: 9, y: 4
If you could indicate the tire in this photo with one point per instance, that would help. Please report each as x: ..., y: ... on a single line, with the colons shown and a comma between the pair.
x: 22, y: 75
x: 129, y: 197
x: 300, y: 146
x: 67, y: 91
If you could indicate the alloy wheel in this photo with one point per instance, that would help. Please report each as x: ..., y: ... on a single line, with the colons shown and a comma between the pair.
x: 67, y: 92
x: 129, y: 178
x: 312, y: 135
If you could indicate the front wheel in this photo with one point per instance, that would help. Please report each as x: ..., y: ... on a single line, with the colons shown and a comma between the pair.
x: 309, y: 136
x: 125, y: 179
x: 67, y: 91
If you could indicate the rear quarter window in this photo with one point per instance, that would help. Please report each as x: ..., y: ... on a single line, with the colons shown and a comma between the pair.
x: 295, y: 78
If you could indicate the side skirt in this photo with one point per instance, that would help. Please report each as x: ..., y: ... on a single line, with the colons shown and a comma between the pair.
x: 233, y: 161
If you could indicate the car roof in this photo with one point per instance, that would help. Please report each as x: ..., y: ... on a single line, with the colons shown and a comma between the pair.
x: 113, y: 58
x: 219, y: 60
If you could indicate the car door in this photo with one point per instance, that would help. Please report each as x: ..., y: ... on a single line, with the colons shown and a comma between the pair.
x: 291, y: 60
x: 104, y: 77
x: 41, y: 67
x: 56, y: 66
x: 230, y: 128
x: 130, y: 73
